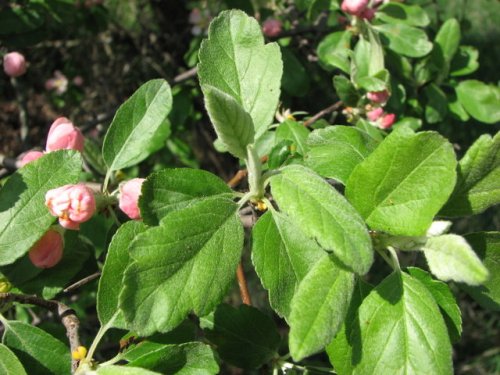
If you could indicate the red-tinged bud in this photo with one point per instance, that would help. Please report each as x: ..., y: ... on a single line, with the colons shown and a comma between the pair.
x: 72, y: 204
x: 368, y: 14
x: 128, y: 200
x: 387, y: 121
x: 375, y: 114
x: 63, y: 135
x: 14, y: 64
x: 48, y: 251
x: 271, y: 27
x: 29, y: 157
x: 354, y: 7
x: 378, y: 96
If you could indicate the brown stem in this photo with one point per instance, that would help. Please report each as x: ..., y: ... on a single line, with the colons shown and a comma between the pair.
x: 82, y: 282
x: 68, y: 317
x: 322, y: 113
x: 242, y: 283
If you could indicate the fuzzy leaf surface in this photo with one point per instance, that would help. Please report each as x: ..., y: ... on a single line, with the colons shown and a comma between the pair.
x: 478, y: 174
x: 450, y: 257
x: 173, y: 189
x: 282, y: 256
x: 324, y: 214
x: 9, y: 363
x: 110, y: 282
x: 185, y: 264
x: 400, y: 331
x: 335, y: 151
x: 39, y: 352
x: 24, y: 218
x: 140, y: 126
x: 383, y: 187
x: 319, y: 307
x: 235, y: 60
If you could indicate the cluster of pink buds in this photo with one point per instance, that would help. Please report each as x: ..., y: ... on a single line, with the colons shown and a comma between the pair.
x: 272, y: 27
x: 72, y: 204
x: 361, y: 8
x: 128, y: 198
x: 380, y: 118
x: 14, y: 64
x: 63, y: 135
x: 48, y: 251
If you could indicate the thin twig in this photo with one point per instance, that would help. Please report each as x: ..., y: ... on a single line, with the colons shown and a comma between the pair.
x: 67, y: 315
x: 242, y: 283
x: 241, y: 174
x: 82, y: 282
x: 322, y: 113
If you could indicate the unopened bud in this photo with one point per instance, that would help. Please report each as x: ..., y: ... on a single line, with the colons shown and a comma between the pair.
x: 48, y: 251
x: 5, y: 285
x: 272, y: 27
x: 378, y: 97
x: 63, y: 135
x: 72, y: 204
x: 354, y: 7
x: 129, y: 198
x: 375, y: 114
x: 387, y: 121
x: 29, y: 157
x: 14, y: 64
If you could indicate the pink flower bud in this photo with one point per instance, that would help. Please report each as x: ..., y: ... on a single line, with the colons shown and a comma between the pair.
x: 368, y: 14
x: 14, y: 64
x: 354, y: 7
x: 29, y: 157
x: 271, y: 27
x: 72, y: 204
x: 375, y: 114
x: 63, y: 135
x: 129, y: 198
x: 48, y: 251
x: 378, y: 96
x: 387, y: 121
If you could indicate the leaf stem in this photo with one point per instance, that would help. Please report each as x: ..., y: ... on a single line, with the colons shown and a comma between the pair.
x: 254, y: 168
x: 242, y: 283
x: 98, y: 337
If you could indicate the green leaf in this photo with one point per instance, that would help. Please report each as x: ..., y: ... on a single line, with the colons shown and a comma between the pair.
x: 340, y: 349
x: 480, y: 100
x: 406, y: 40
x: 39, y: 352
x: 174, y: 189
x: 110, y: 282
x: 412, y: 15
x: 333, y: 50
x: 194, y: 358
x: 280, y: 154
x: 140, y: 126
x: 235, y: 60
x: 346, y: 91
x: 456, y: 108
x: 450, y: 257
x: 383, y: 187
x: 410, y: 122
x: 232, y: 123
x: 244, y: 337
x: 323, y: 214
x: 319, y: 307
x: 122, y: 370
x: 295, y: 132
x: 335, y: 151
x: 400, y: 330
x: 436, y: 107
x: 367, y: 68
x: 465, y: 61
x: 282, y: 256
x: 478, y: 174
x: 487, y: 247
x: 445, y: 300
x: 187, y: 263
x: 446, y: 45
x: 9, y: 364
x: 23, y: 215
